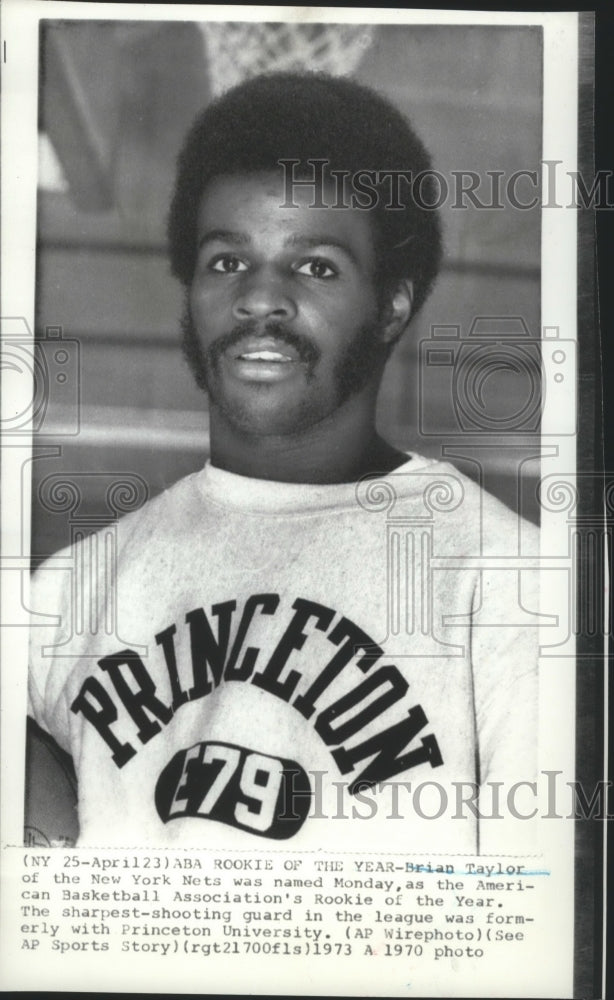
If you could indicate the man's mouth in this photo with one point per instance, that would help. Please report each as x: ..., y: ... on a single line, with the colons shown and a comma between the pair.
x: 271, y: 353
x: 267, y: 349
x: 274, y: 357
x: 263, y: 358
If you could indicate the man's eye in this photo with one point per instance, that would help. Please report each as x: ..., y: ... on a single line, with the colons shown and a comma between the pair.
x: 317, y: 268
x: 227, y: 264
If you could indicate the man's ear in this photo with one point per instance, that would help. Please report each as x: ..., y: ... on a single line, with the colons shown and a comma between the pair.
x: 397, y: 312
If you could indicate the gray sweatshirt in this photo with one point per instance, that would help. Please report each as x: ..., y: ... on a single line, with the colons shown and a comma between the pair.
x: 244, y: 663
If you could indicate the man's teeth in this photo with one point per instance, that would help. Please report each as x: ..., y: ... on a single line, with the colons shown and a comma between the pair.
x: 265, y: 356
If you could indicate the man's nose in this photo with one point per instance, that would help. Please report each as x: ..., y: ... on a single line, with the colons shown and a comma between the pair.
x: 264, y: 295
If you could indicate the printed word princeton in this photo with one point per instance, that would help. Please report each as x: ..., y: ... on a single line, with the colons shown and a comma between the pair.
x: 134, y: 696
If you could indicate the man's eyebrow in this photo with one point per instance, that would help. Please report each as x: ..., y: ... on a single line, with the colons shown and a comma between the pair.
x: 224, y: 236
x: 311, y: 242
x: 297, y: 240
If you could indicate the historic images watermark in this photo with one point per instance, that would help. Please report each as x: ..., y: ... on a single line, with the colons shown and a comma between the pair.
x: 544, y: 798
x: 493, y: 190
x: 298, y: 795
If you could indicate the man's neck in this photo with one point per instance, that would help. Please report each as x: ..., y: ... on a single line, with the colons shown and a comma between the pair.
x: 340, y: 449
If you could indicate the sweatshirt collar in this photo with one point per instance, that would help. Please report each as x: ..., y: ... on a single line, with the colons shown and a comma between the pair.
x: 227, y: 489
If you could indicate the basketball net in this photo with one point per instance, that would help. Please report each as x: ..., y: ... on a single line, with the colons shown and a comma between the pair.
x: 238, y: 50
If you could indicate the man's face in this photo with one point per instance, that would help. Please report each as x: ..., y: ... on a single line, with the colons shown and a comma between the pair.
x: 284, y: 323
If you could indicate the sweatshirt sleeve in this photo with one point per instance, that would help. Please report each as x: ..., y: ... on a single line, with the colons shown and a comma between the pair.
x: 50, y: 604
x: 505, y: 672
x: 505, y: 656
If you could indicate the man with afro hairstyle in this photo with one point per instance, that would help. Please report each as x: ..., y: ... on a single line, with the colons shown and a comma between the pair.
x: 296, y: 668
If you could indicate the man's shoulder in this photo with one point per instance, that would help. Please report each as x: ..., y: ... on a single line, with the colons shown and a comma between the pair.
x: 447, y: 498
x: 157, y: 518
x: 176, y: 505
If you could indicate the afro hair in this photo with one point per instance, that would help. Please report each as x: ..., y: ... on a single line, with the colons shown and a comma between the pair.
x: 305, y: 117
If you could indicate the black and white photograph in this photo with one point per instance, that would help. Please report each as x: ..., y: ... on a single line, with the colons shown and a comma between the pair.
x: 300, y: 537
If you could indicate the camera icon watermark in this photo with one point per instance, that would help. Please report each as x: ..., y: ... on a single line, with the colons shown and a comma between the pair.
x: 41, y: 381
x: 496, y: 381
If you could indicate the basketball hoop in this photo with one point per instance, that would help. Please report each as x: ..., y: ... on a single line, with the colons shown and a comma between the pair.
x: 238, y: 50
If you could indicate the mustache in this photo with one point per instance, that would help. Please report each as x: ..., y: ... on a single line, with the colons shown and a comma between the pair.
x: 307, y: 351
